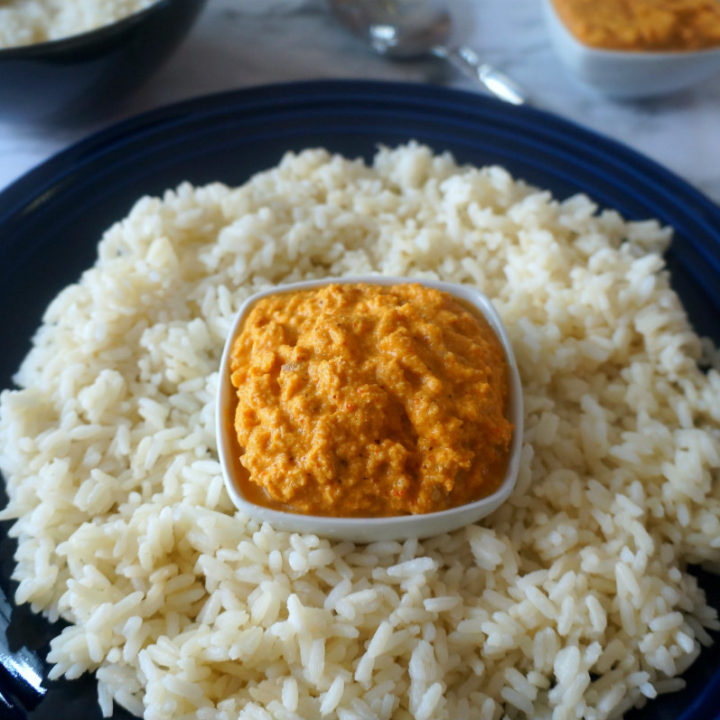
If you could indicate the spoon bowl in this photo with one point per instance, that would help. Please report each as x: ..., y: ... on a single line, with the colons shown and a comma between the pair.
x: 402, y: 30
x: 368, y: 529
x: 407, y: 29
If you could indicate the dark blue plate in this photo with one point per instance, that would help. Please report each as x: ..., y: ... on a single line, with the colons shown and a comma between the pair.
x: 51, y: 220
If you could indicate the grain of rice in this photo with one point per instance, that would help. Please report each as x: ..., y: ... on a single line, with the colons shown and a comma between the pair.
x: 331, y: 698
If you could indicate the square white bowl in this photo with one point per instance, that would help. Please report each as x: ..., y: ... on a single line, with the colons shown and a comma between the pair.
x: 629, y: 73
x: 369, y: 529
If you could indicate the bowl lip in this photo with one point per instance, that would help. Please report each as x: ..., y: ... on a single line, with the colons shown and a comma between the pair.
x: 353, y: 527
x: 34, y: 51
x: 640, y: 56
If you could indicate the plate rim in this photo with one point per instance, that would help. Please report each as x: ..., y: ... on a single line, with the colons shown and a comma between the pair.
x: 690, y: 212
x: 24, y: 194
x: 183, y: 110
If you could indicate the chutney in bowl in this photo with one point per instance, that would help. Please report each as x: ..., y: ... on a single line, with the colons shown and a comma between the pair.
x: 369, y: 407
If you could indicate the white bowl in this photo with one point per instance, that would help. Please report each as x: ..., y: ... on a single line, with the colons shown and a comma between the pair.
x: 629, y: 74
x: 369, y: 529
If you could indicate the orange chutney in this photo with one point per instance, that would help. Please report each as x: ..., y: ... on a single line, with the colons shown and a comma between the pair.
x: 653, y: 25
x: 361, y: 400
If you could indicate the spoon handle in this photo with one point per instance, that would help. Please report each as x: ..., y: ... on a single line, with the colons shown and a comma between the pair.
x: 495, y: 82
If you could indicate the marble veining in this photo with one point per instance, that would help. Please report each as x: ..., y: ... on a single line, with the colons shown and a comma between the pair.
x: 238, y: 43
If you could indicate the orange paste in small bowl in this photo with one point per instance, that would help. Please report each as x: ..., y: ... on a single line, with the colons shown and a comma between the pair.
x: 648, y: 25
x: 361, y: 400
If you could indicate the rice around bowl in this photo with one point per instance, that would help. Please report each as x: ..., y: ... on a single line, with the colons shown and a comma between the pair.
x: 571, y: 600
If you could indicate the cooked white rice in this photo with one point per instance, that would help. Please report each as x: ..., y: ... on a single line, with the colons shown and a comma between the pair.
x: 24, y: 22
x: 571, y: 601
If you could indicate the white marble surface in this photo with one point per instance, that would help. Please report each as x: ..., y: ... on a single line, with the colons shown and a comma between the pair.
x: 238, y: 43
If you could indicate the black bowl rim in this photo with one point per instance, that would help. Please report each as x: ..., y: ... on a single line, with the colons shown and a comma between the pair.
x: 50, y: 48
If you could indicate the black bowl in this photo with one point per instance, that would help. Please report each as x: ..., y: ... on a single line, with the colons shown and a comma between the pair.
x: 83, y: 76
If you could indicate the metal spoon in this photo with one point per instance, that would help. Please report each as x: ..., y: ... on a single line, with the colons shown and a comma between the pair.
x: 412, y: 28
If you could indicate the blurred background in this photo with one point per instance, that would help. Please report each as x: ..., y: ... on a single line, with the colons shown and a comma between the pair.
x: 239, y: 43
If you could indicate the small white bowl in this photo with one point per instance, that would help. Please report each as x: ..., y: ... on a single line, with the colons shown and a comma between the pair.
x: 369, y: 529
x: 629, y: 74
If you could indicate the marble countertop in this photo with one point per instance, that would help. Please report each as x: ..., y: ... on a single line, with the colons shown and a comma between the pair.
x: 239, y: 43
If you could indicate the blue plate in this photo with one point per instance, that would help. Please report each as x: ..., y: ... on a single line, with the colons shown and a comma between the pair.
x: 51, y: 220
